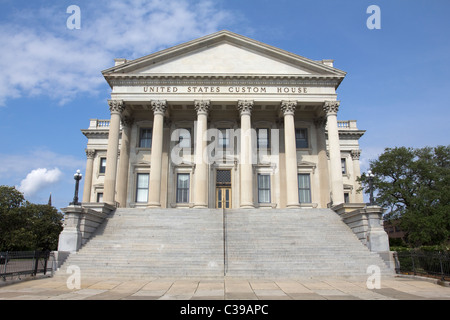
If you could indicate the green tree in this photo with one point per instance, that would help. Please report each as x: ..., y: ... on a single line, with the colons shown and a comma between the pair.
x: 46, y: 225
x: 414, y: 185
x: 27, y: 226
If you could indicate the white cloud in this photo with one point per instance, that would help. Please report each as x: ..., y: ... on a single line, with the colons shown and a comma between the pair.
x: 42, y: 56
x: 38, y: 179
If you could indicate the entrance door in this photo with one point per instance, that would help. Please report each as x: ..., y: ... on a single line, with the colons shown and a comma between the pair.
x: 223, y: 197
x: 223, y: 189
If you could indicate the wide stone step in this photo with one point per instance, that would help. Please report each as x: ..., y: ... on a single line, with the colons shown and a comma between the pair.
x: 251, y: 243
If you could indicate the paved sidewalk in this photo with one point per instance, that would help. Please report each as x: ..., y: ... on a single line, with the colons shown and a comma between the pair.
x: 56, y: 288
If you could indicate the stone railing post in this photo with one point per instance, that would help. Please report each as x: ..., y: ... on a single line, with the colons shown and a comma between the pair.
x: 70, y: 238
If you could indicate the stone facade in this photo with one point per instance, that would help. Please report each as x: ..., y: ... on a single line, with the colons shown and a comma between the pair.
x: 223, y: 121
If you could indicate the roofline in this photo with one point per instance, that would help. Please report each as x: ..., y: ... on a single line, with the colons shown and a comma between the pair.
x: 180, y: 48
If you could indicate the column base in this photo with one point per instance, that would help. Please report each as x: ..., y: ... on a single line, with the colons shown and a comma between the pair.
x: 200, y: 206
x: 247, y: 206
x: 293, y: 205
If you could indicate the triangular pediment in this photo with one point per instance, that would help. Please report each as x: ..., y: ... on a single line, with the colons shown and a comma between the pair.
x: 224, y: 54
x: 224, y: 58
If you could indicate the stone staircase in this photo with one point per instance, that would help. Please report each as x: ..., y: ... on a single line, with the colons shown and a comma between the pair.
x: 298, y: 243
x: 154, y: 242
x: 294, y: 243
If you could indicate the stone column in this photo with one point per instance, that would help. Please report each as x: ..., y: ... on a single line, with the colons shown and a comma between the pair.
x: 124, y: 160
x: 201, y: 167
x: 116, y: 107
x: 322, y: 164
x: 88, y: 175
x: 246, y: 160
x: 290, y: 150
x: 356, y: 174
x: 337, y: 188
x: 154, y: 191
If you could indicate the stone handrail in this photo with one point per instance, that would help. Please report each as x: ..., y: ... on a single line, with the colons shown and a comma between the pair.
x: 366, y: 222
x: 345, y: 125
x: 99, y: 123
x: 80, y: 223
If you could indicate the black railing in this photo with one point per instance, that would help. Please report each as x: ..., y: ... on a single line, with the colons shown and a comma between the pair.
x: 431, y: 264
x: 17, y: 263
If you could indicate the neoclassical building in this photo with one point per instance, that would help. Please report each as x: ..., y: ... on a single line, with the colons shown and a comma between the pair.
x: 223, y: 121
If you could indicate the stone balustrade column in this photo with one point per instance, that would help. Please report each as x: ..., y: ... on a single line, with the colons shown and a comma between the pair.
x: 88, y: 175
x: 122, y: 185
x: 246, y: 157
x: 201, y: 166
x: 290, y: 150
x: 337, y: 188
x: 357, y: 173
x: 154, y: 191
x: 116, y: 108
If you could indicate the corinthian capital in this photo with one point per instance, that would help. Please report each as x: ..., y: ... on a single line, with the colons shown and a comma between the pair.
x: 288, y: 107
x: 245, y: 106
x: 331, y: 107
x: 355, y: 154
x: 127, y: 121
x: 202, y: 106
x: 90, y: 153
x: 159, y: 106
x: 116, y: 106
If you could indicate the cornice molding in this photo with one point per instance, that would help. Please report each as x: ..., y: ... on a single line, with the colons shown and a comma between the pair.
x: 221, y: 80
x: 349, y: 133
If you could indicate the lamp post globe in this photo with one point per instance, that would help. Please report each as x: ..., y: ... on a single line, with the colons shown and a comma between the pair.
x: 370, y: 175
x: 77, y: 176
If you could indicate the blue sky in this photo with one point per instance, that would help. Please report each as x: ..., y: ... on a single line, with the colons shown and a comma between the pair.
x: 397, y: 85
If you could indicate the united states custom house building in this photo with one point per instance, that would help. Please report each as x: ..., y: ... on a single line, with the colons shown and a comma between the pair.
x: 223, y: 121
x: 226, y: 154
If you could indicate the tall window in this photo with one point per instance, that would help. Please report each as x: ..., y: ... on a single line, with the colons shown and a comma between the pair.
x: 263, y: 188
x: 184, y: 138
x: 304, y: 188
x: 145, y: 138
x: 301, y: 138
x: 142, y: 187
x: 102, y: 168
x: 263, y: 138
x: 343, y: 166
x: 183, y: 188
x: 224, y: 138
x: 100, y: 197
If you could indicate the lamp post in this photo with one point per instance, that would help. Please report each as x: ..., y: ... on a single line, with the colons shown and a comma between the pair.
x: 77, y: 176
x: 371, y: 175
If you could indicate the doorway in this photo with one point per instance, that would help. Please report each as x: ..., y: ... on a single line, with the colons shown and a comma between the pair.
x: 223, y: 189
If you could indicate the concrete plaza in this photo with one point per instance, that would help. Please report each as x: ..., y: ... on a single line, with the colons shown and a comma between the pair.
x: 56, y: 288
